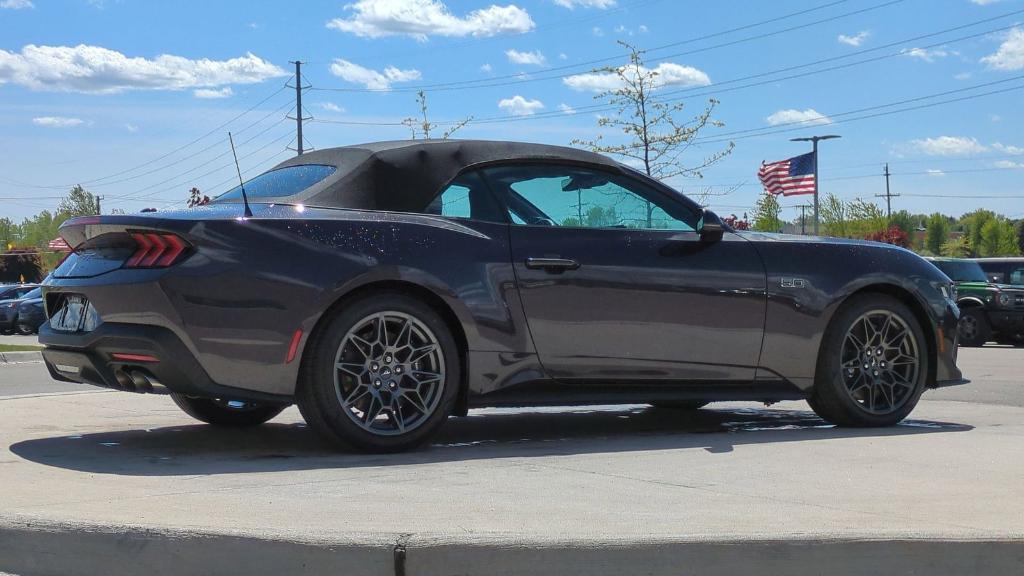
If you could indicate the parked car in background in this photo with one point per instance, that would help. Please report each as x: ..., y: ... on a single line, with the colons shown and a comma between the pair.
x: 30, y: 314
x: 11, y: 296
x: 1003, y: 270
x: 988, y: 311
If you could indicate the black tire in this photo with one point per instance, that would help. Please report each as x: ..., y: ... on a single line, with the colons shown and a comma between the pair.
x: 25, y: 330
x: 973, y: 327
x: 323, y: 387
x: 842, y: 397
x: 687, y: 405
x: 225, y: 412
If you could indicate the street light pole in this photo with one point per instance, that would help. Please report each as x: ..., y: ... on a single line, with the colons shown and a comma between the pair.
x: 814, y: 141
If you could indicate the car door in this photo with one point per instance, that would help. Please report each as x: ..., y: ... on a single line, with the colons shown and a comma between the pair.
x: 617, y: 284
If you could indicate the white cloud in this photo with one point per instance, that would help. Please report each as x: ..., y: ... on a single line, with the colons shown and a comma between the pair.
x: 370, y: 78
x: 1008, y: 164
x: 565, y: 108
x: 422, y: 18
x: 99, y: 70
x: 984, y: 2
x: 57, y: 121
x: 948, y: 146
x: 1010, y: 55
x: 572, y: 4
x: 642, y: 29
x: 855, y: 40
x: 962, y: 76
x: 332, y: 107
x: 213, y: 94
x: 791, y: 116
x: 668, y: 74
x: 927, y: 55
x: 535, y: 58
x: 995, y: 117
x: 486, y: 68
x: 934, y: 172
x: 131, y: 127
x: 16, y: 4
x: 597, y: 31
x: 562, y: 56
x: 519, y: 106
x: 1007, y: 148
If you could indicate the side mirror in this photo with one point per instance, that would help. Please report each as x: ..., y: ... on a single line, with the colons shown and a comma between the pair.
x: 710, y: 227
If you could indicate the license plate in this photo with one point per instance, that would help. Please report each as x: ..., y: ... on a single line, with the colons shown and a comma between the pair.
x: 75, y: 315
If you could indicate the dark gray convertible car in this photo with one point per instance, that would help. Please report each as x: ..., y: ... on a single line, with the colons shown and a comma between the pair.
x: 385, y: 287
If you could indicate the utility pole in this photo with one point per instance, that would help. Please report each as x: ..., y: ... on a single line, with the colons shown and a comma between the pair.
x: 299, y: 120
x: 803, y: 218
x: 814, y: 141
x: 888, y: 195
x: 98, y: 211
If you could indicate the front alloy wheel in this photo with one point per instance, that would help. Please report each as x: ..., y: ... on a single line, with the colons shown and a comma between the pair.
x: 382, y: 375
x: 873, y: 364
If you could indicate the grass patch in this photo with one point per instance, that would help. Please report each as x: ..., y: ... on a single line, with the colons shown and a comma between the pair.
x: 18, y: 348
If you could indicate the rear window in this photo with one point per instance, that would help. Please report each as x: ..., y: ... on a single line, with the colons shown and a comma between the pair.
x: 286, y: 181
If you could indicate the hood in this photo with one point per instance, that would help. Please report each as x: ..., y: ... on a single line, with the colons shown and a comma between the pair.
x: 828, y: 240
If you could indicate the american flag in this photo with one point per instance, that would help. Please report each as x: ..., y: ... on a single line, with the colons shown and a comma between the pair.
x: 789, y: 177
x: 58, y: 244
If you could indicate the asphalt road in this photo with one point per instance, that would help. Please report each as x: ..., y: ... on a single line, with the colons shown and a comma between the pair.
x: 996, y: 374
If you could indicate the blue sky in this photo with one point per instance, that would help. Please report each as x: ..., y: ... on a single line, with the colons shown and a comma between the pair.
x: 127, y: 97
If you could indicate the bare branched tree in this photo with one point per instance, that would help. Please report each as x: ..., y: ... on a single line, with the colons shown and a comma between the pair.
x: 655, y: 139
x: 424, y: 127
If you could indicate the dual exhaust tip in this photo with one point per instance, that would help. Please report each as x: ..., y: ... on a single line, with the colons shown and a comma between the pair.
x: 140, y: 382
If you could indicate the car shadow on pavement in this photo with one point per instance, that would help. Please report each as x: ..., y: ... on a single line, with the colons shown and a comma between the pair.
x: 485, y: 434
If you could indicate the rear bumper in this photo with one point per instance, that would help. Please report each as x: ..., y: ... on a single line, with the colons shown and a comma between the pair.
x: 88, y: 358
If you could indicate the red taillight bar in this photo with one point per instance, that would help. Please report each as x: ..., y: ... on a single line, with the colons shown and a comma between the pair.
x: 155, y: 250
x: 134, y: 357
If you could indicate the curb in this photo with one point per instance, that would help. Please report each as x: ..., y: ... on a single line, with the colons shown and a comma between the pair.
x: 71, y: 550
x: 28, y: 356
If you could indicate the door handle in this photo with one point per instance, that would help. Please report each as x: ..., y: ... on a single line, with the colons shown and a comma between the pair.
x: 553, y: 265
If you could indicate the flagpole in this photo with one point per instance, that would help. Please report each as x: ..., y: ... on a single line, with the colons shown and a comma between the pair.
x: 814, y: 143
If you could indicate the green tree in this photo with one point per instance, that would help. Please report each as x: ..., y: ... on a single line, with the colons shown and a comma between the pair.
x: 865, y: 219
x: 998, y: 238
x: 79, y: 202
x: 8, y: 234
x: 766, y: 214
x: 1020, y: 236
x: 654, y: 138
x: 973, y: 223
x: 833, y: 216
x: 905, y: 221
x: 959, y: 247
x: 937, y: 233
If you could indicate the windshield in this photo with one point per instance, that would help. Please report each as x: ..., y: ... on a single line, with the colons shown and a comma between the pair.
x: 286, y: 181
x: 962, y: 270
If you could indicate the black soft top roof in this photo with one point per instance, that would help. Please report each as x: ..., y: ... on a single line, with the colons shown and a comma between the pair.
x: 404, y: 175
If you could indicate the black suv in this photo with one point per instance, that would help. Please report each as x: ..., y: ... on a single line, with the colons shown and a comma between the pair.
x: 11, y: 296
x: 988, y: 311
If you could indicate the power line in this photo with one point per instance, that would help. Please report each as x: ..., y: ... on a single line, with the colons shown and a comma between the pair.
x: 491, y: 82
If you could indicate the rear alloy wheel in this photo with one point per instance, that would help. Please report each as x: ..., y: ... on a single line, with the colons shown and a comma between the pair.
x: 228, y: 413
x: 873, y: 364
x: 973, y: 328
x: 383, y: 376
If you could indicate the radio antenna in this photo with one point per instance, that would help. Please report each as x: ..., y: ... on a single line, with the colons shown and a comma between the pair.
x: 241, y: 184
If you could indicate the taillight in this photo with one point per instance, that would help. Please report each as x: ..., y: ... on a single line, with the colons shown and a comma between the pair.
x: 155, y: 250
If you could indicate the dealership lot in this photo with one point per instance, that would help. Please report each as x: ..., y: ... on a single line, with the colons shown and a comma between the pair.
x: 109, y: 463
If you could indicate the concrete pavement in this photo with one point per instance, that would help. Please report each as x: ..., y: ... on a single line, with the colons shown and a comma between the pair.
x: 126, y: 481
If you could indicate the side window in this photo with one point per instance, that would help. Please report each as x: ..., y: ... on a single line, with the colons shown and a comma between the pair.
x: 1017, y: 276
x: 466, y: 197
x: 547, y: 195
